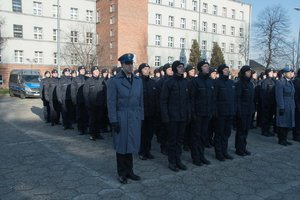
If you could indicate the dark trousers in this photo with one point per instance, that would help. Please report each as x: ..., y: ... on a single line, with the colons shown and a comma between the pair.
x: 147, y: 132
x: 267, y: 117
x: 222, y: 134
x: 242, y: 127
x: 199, y: 135
x: 124, y: 164
x: 187, y: 139
x: 95, y: 120
x: 82, y: 117
x: 296, y: 130
x: 175, y: 141
x: 162, y: 135
x: 46, y: 111
x: 282, y: 134
x: 54, y: 111
x: 211, y: 131
x: 66, y: 112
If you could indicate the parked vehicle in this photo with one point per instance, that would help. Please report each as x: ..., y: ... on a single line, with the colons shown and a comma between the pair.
x: 24, y: 83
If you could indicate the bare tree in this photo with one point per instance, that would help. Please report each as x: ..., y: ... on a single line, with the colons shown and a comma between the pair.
x: 272, y: 28
x: 288, y: 54
x: 244, y: 48
x: 2, y: 40
x: 80, y: 47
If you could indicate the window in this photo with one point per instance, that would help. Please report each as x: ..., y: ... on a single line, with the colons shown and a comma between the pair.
x: 112, y: 20
x: 182, y: 3
x: 112, y: 8
x: 19, y: 56
x: 74, y: 13
x: 111, y: 33
x: 98, y: 16
x: 89, y: 38
x: 170, y: 59
x: 232, y: 30
x: 157, y: 61
x: 157, y: 40
x: 223, y: 46
x: 97, y: 39
x: 215, y: 10
x: 74, y: 59
x: 74, y: 36
x: 89, y: 15
x: 171, y: 21
x: 231, y: 48
x: 111, y: 45
x: 194, y: 25
x: 241, y: 32
x: 170, y: 42
x: 214, y: 28
x: 233, y: 14
x: 182, y: 22
x: 240, y: 47
x: 17, y: 5
x: 241, y: 15
x: 171, y: 3
x: 18, y: 31
x: 204, y: 9
x: 224, y: 29
x: 158, y: 19
x: 158, y: 1
x: 195, y: 5
x: 54, y: 10
x: 182, y: 43
x: 38, y: 33
x: 204, y: 45
x: 213, y: 44
x: 204, y: 26
x: 37, y: 8
x: 224, y: 12
x: 38, y: 57
x: 54, y: 58
x: 54, y: 34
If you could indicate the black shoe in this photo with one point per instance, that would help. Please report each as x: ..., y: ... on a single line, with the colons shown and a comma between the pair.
x: 240, y: 153
x: 133, y: 176
x: 122, y: 179
x: 142, y: 157
x: 92, y: 138
x: 52, y: 124
x: 197, y: 163
x: 297, y: 139
x: 266, y: 134
x: 227, y: 156
x: 181, y: 166
x: 186, y: 148
x: 99, y: 136
x: 173, y: 167
x: 149, y: 156
x: 82, y: 132
x: 164, y: 151
x: 282, y: 143
x: 205, y: 161
x: 248, y: 153
x: 289, y: 143
x: 220, y: 157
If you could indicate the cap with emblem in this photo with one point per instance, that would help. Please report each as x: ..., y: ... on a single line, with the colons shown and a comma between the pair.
x: 142, y: 66
x: 66, y: 70
x: 94, y: 68
x: 126, y: 58
x: 54, y: 71
x: 80, y: 68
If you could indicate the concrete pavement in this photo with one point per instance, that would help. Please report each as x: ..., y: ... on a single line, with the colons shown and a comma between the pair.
x: 38, y: 161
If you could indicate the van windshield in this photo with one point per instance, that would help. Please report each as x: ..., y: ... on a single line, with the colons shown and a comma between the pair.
x: 31, y: 78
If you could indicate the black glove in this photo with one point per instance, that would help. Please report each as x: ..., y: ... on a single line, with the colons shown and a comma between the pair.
x: 281, y: 112
x: 115, y: 126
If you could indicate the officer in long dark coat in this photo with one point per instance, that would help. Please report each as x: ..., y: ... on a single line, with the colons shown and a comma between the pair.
x: 162, y: 135
x: 285, y: 105
x: 202, y: 104
x: 125, y: 112
x: 225, y: 111
x: 268, y: 103
x: 63, y: 91
x: 175, y: 112
x: 78, y: 100
x: 44, y: 84
x: 296, y: 131
x: 106, y: 125
x: 94, y: 92
x: 149, y: 92
x: 245, y: 109
x: 51, y: 97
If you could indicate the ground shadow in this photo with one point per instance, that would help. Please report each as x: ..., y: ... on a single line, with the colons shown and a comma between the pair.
x: 38, y: 111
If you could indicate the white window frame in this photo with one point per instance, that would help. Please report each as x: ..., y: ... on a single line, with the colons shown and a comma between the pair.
x: 19, y: 54
x: 224, y: 29
x: 182, y: 3
x: 232, y: 30
x: 215, y: 10
x: 241, y: 32
x: 182, y: 43
x: 158, y: 1
x: 74, y: 37
x: 89, y: 37
x: 54, y: 11
x: 157, y: 60
x: 224, y: 12
x: 194, y: 25
x: 231, y: 49
x: 37, y: 33
x: 195, y: 5
x: 158, y: 19
x: 54, y: 57
x: 158, y: 40
x: 98, y: 16
x: 241, y: 15
x: 54, y: 34
x: 89, y: 15
x: 170, y: 59
x: 223, y: 46
x: 233, y: 14
x: 17, y: 5
x: 171, y: 3
x: 38, y: 57
x: 204, y: 8
x: 112, y: 20
x: 74, y: 60
x: 214, y: 28
x: 204, y: 45
x: 182, y: 23
x: 74, y: 13
x: 204, y: 26
x: 112, y: 8
x: 170, y: 42
x: 18, y: 31
x: 37, y: 8
x: 171, y: 21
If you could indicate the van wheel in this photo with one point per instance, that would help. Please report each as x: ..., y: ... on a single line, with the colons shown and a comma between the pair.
x: 22, y: 96
x: 11, y: 93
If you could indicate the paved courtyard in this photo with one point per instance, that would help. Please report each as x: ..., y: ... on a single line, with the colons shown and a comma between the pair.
x: 38, y: 161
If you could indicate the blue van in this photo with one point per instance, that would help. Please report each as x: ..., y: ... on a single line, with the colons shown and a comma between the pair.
x: 24, y: 83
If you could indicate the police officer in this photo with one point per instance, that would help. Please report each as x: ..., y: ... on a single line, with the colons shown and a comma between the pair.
x: 44, y: 84
x: 285, y: 105
x: 175, y: 112
x: 245, y: 109
x: 268, y: 103
x: 125, y: 111
x: 63, y: 90
x: 296, y: 131
x: 202, y: 101
x: 94, y: 92
x: 51, y: 97
x: 225, y: 110
x: 78, y: 100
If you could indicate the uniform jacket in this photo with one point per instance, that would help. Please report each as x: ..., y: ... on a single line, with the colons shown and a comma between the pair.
x: 94, y: 92
x: 297, y: 92
x: 244, y: 97
x: 149, y: 96
x: 44, y: 84
x: 50, y: 89
x: 63, y: 89
x: 77, y: 89
x: 174, y: 100
x: 284, y: 92
x: 125, y: 106
x: 267, y: 91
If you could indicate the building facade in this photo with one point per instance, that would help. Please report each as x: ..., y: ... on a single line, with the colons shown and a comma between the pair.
x: 31, y: 33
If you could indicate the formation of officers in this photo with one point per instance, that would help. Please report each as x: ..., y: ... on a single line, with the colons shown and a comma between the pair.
x: 190, y: 107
